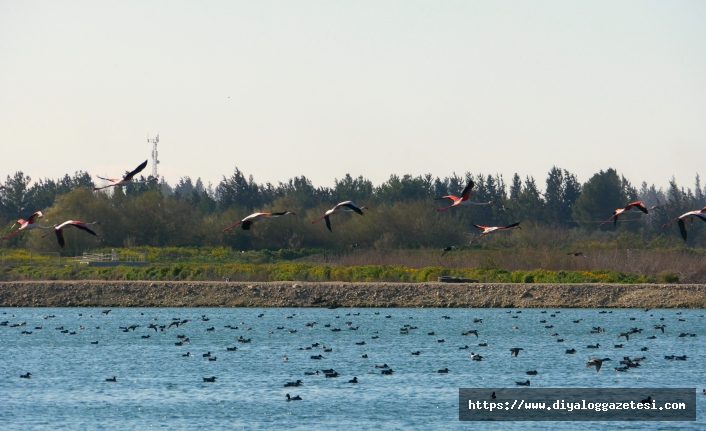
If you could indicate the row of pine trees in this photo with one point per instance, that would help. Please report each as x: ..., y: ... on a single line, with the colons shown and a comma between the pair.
x: 401, y: 213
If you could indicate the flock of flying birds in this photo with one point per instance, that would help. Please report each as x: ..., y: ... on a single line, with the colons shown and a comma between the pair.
x: 343, y: 207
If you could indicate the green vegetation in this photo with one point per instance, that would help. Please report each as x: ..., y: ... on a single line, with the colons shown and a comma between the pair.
x: 310, y: 272
x: 180, y: 230
x: 401, y: 214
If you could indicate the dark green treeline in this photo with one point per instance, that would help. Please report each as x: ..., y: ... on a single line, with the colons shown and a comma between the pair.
x: 401, y: 211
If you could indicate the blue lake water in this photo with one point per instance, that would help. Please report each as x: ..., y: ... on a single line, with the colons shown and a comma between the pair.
x: 157, y: 387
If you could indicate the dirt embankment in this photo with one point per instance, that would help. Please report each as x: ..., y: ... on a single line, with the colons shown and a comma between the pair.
x: 301, y: 294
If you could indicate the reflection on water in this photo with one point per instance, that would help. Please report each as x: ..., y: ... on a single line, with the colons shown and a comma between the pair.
x: 158, y: 387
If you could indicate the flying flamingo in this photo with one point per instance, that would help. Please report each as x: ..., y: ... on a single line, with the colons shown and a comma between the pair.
x: 59, y: 229
x: 701, y: 214
x: 343, y: 207
x: 637, y: 204
x: 490, y: 229
x: 249, y: 220
x: 28, y: 224
x: 127, y: 179
x: 463, y: 200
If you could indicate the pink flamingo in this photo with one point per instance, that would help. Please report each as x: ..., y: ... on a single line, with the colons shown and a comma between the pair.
x: 127, y: 179
x: 637, y: 204
x: 59, y: 229
x: 490, y: 229
x: 343, y: 207
x: 700, y: 214
x: 30, y: 223
x: 249, y: 220
x: 463, y: 200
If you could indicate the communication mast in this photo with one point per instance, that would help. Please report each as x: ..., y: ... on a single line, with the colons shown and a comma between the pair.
x: 155, y: 161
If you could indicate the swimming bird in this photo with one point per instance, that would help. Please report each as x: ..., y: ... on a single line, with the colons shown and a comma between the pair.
x: 111, y: 379
x: 490, y: 229
x: 463, y: 200
x: 26, y: 376
x: 211, y: 379
x: 700, y: 214
x: 297, y: 398
x: 186, y: 355
x: 447, y: 249
x: 647, y: 400
x: 248, y: 221
x: 106, y: 312
x: 127, y: 179
x: 443, y: 371
x: 59, y: 229
x: 525, y: 383
x: 295, y: 384
x: 515, y: 351
x: 531, y: 372
x: 354, y: 380
x: 637, y: 205
x: 29, y: 224
x: 593, y: 347
x: 493, y: 396
x: 570, y: 351
x: 346, y: 206
x: 596, y: 362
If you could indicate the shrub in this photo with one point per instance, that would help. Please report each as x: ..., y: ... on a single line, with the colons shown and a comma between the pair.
x: 668, y: 277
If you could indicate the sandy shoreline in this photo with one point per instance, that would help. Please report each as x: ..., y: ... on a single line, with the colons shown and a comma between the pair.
x: 88, y: 293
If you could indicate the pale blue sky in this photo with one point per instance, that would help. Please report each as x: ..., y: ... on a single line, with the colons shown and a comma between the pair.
x: 369, y: 88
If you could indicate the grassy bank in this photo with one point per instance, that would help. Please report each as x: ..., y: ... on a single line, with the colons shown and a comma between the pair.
x: 319, y: 273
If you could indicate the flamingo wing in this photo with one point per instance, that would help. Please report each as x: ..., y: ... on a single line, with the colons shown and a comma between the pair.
x: 278, y: 214
x: 354, y: 207
x: 35, y: 216
x: 328, y: 223
x: 641, y: 206
x: 467, y: 191
x: 83, y: 227
x: 682, y: 228
x: 136, y: 171
x: 510, y: 226
x: 479, y: 227
x: 247, y: 224
x: 60, y: 237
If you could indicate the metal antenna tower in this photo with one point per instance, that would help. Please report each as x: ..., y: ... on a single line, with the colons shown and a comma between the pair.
x: 155, y: 161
